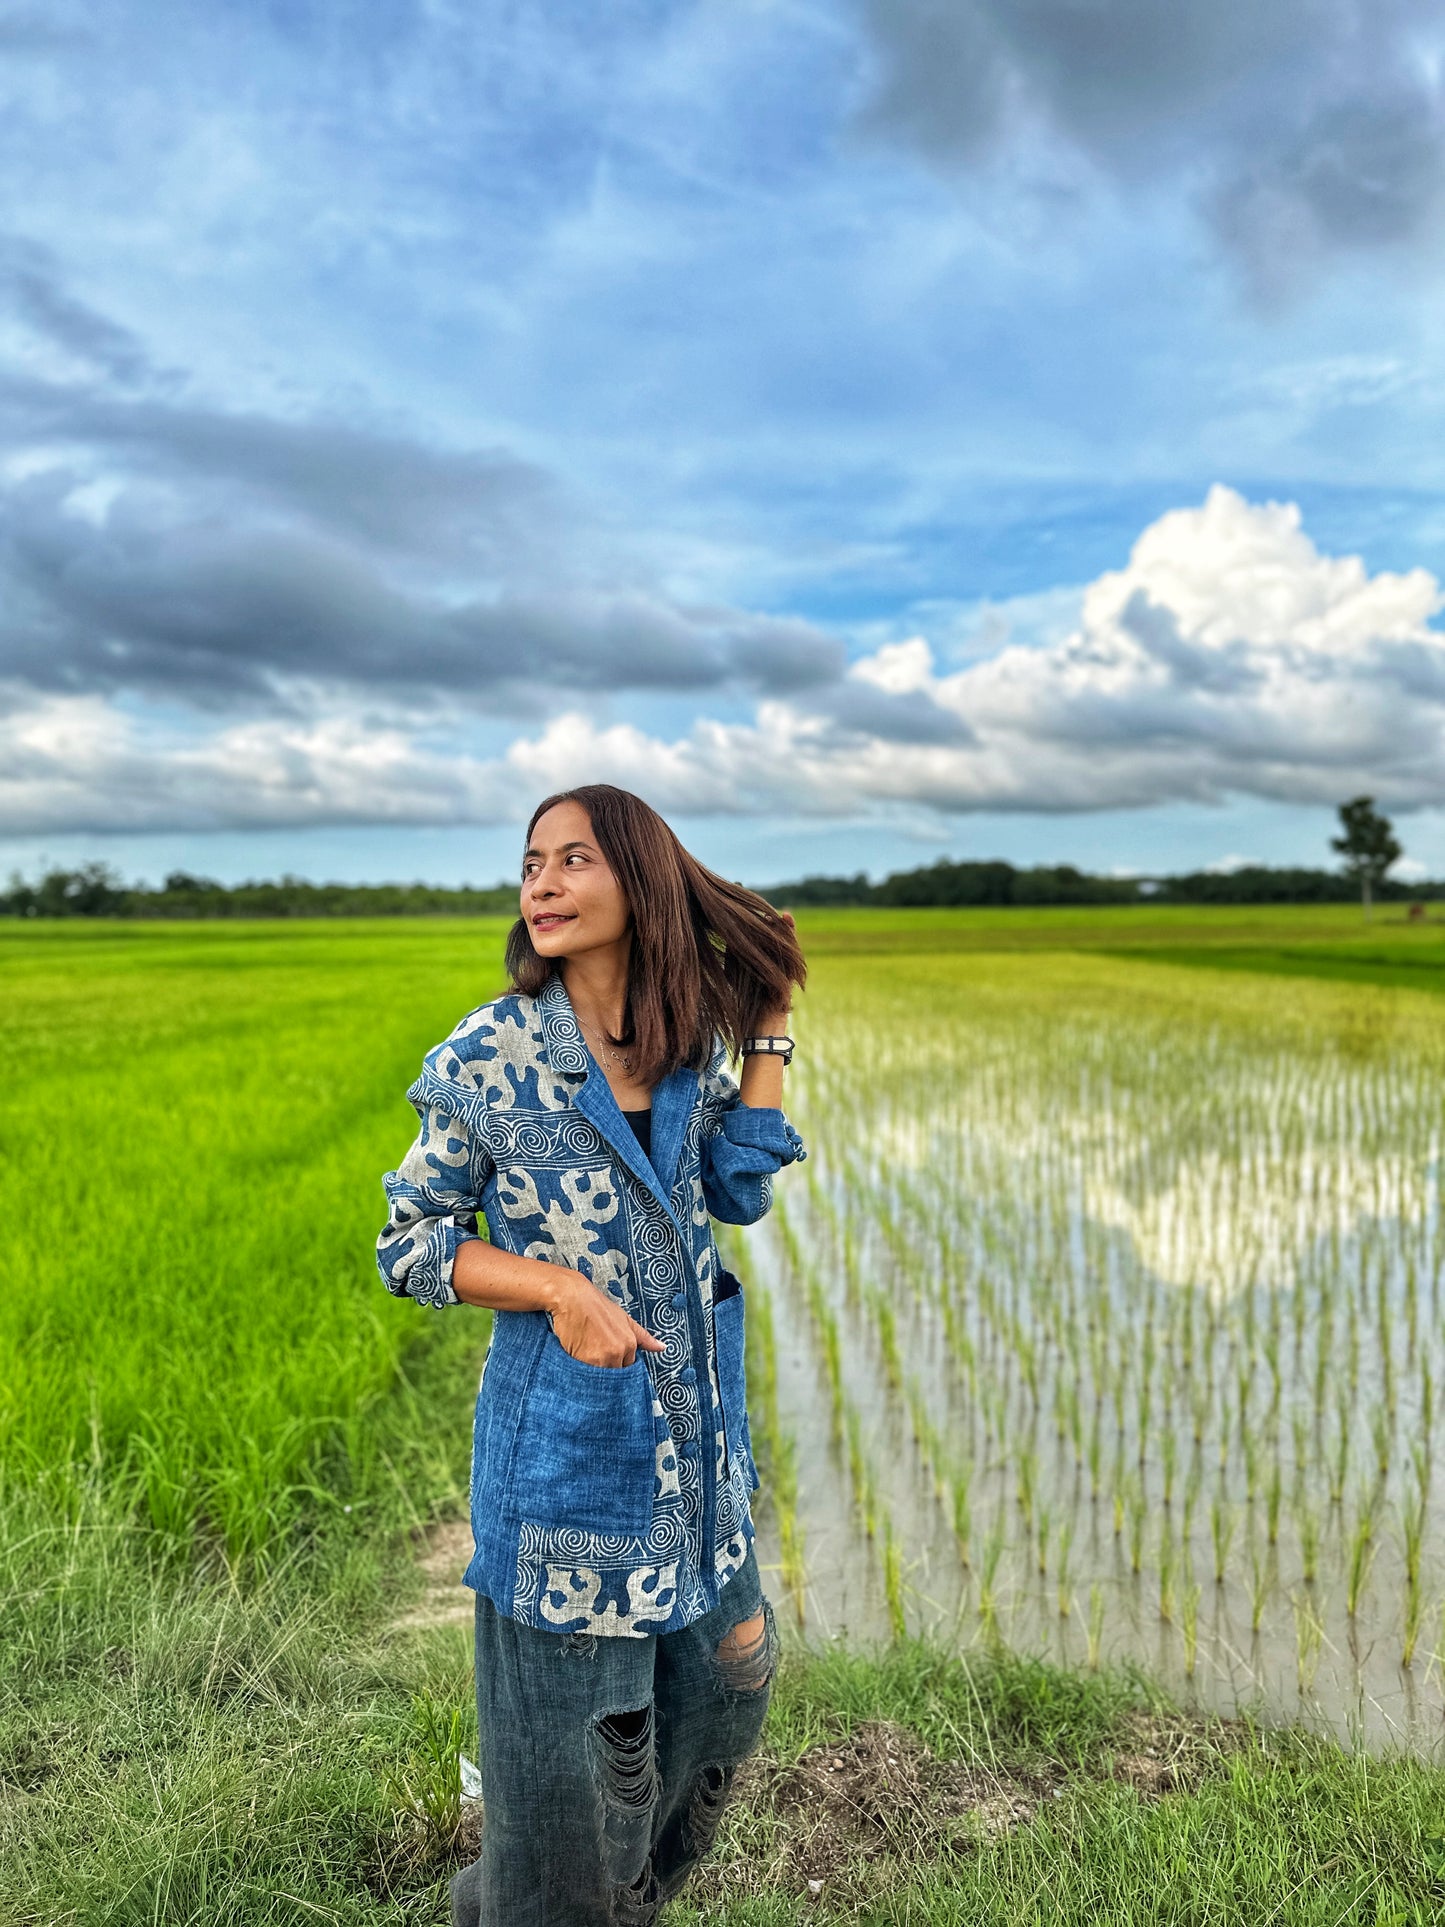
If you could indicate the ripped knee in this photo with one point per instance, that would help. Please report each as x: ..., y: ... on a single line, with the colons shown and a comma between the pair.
x: 626, y: 1754
x: 746, y: 1655
x: 705, y: 1807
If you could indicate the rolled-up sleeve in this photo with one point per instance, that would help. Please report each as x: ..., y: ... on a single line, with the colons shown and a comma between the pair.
x: 741, y: 1159
x: 434, y: 1195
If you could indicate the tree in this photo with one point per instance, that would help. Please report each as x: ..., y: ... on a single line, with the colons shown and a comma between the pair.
x: 1368, y: 845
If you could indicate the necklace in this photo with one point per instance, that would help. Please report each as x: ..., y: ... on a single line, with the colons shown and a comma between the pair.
x: 609, y: 1051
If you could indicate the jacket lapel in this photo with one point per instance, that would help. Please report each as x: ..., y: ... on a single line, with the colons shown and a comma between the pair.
x: 672, y: 1103
x: 566, y: 1052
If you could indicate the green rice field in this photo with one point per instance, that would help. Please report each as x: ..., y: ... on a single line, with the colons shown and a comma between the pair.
x: 1100, y: 1331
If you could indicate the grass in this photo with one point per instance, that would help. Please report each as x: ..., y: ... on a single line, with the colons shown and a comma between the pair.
x: 194, y: 1124
x: 1005, y: 1790
x: 200, y: 1752
x: 218, y: 1438
x: 184, y: 1743
x: 1264, y: 931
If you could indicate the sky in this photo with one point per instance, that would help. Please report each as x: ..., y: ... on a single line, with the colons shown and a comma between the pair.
x: 873, y: 430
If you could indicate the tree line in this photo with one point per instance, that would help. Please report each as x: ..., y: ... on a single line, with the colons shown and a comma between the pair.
x: 97, y: 890
x: 986, y: 885
x: 1367, y: 848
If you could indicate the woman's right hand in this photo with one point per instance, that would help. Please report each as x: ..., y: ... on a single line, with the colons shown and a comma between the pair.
x: 595, y: 1329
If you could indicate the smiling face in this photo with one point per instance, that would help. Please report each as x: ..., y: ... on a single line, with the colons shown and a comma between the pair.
x: 571, y: 900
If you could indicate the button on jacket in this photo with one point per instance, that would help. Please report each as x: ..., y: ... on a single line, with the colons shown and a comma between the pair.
x: 610, y: 1499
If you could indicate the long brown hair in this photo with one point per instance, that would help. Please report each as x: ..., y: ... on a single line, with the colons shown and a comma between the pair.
x: 708, y: 957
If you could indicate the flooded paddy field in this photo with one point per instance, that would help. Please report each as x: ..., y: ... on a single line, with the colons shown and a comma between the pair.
x: 1104, y: 1318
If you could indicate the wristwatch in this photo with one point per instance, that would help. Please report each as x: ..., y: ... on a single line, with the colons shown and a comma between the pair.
x: 769, y: 1047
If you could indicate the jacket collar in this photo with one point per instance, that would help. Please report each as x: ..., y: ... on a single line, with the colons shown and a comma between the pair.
x: 565, y: 1051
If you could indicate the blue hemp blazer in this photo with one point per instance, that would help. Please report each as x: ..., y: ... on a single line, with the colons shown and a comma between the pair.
x: 610, y: 1499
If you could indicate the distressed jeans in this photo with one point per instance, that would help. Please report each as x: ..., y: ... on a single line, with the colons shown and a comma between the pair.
x: 606, y: 1762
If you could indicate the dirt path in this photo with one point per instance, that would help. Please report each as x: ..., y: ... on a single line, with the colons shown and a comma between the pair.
x: 443, y: 1558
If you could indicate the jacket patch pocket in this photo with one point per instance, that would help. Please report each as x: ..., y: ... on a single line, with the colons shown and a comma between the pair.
x: 585, y: 1453
x: 727, y: 1317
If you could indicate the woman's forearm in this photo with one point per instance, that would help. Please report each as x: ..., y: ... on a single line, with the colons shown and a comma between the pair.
x: 587, y: 1322
x: 761, y: 1082
x: 484, y: 1274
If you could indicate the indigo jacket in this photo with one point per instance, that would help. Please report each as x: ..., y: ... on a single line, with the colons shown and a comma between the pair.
x: 610, y: 1499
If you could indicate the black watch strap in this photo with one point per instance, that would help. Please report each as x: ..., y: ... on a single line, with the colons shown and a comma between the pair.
x: 769, y: 1047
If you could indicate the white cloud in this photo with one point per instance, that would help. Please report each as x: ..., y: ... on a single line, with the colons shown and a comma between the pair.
x: 1228, y: 658
x: 899, y: 667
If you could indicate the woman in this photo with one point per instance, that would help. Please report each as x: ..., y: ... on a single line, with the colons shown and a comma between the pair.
x: 624, y: 1648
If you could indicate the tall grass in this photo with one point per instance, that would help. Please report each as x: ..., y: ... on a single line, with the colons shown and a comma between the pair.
x: 193, y: 1125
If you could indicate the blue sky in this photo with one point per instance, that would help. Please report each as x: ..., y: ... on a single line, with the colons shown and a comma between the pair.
x: 871, y: 430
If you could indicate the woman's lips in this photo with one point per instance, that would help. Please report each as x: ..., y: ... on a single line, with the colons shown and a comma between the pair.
x: 551, y: 921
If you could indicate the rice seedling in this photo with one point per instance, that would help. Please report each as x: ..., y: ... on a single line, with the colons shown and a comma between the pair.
x: 961, y: 1509
x: 988, y: 1573
x: 1414, y: 1618
x: 1190, y: 1625
x: 1273, y: 1497
x: 1362, y: 1553
x: 1136, y: 1528
x: 1299, y: 1426
x: 1260, y: 1588
x: 1427, y: 1401
x: 893, y: 1580
x: 864, y: 1491
x: 1412, y: 1520
x: 1381, y: 1437
x: 790, y: 1529
x: 1339, y: 1465
x: 1165, y: 1563
x: 886, y: 1322
x: 1061, y: 1568
x: 1221, y: 1531
x: 775, y: 1446
x: 1025, y: 1476
x: 1250, y: 1450
x: 1307, y: 1525
x: 1309, y: 1634
x: 1096, y: 1625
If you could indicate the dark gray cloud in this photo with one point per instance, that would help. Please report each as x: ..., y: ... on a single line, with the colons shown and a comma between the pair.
x: 213, y: 610
x: 1307, y: 127
x: 237, y: 560
x: 1220, y: 669
x: 863, y: 712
